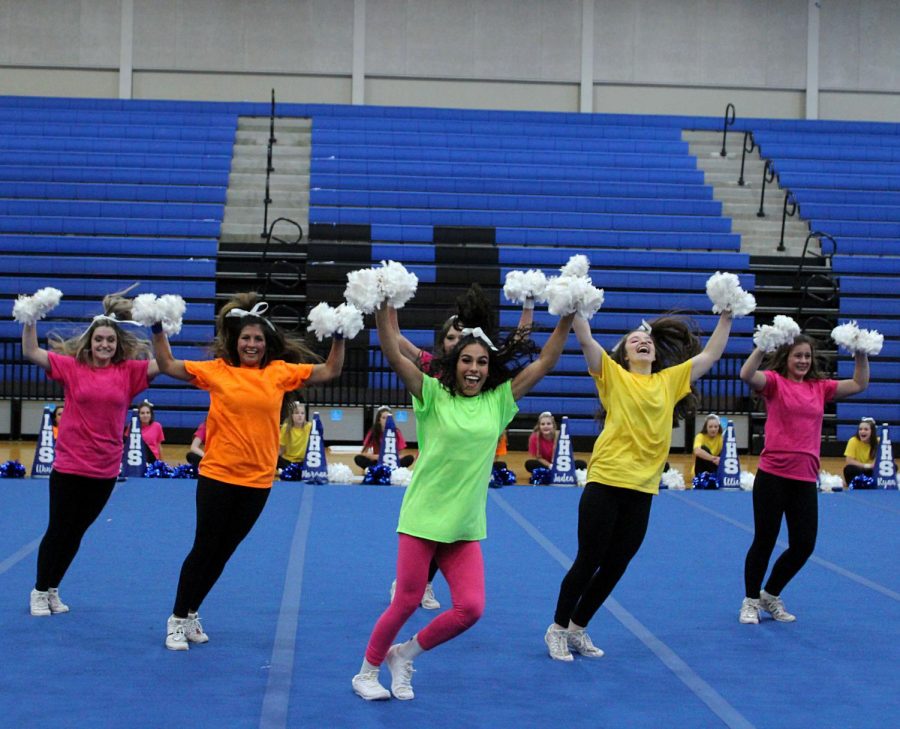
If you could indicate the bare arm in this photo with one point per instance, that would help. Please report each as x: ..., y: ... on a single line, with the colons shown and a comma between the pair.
x: 527, y: 317
x: 197, y: 447
x: 332, y: 366
x: 32, y: 350
x: 859, y: 464
x: 165, y: 362
x: 593, y: 352
x: 407, y: 348
x: 715, y: 346
x: 860, y: 380
x: 532, y: 374
x: 750, y: 370
x: 390, y: 336
x: 706, y: 455
x: 152, y: 370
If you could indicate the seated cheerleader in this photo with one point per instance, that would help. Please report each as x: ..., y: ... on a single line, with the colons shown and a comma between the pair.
x: 198, y: 446
x: 708, y: 446
x: 861, y: 451
x: 294, y: 437
x: 541, y: 443
x: 57, y: 414
x: 372, y: 442
x: 151, y: 432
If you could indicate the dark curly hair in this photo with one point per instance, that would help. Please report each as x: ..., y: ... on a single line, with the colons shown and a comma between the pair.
x: 512, y: 355
x: 473, y: 309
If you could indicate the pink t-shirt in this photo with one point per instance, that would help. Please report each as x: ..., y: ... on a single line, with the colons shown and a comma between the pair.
x: 201, y: 432
x: 794, y: 425
x: 541, y: 447
x: 153, y: 436
x: 370, y: 442
x: 97, y: 401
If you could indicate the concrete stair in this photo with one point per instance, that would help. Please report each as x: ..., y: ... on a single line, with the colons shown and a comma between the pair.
x: 759, y: 235
x: 288, y: 183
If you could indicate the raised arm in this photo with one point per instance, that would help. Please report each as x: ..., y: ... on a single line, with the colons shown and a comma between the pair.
x: 860, y: 380
x: 32, y: 350
x: 593, y: 352
x: 715, y: 346
x: 332, y: 366
x: 165, y: 362
x: 750, y: 370
x: 407, y: 348
x: 389, y: 336
x: 532, y: 374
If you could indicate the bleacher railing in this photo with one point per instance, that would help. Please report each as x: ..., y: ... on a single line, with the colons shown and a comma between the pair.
x: 730, y: 116
x: 267, y: 200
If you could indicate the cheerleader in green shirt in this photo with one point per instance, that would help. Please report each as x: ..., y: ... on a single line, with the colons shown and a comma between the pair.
x: 460, y: 415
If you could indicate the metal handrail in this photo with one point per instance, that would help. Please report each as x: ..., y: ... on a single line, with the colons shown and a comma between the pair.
x: 769, y: 175
x: 817, y: 235
x: 747, y: 135
x: 267, y: 200
x: 727, y: 122
x: 267, y: 266
x: 795, y: 207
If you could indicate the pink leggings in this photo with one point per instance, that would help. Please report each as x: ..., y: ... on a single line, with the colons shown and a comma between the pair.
x: 463, y: 567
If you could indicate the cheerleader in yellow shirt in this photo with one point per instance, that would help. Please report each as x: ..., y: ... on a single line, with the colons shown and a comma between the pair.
x: 861, y: 451
x: 641, y: 385
x: 294, y: 436
x: 708, y: 446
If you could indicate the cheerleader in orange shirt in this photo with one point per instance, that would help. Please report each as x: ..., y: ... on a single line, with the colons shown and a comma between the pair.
x: 255, y: 366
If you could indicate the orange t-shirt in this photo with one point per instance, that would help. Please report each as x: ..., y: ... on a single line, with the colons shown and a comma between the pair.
x: 501, y: 445
x: 242, y: 425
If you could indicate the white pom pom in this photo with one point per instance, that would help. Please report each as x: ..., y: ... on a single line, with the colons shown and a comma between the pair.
x: 397, y: 284
x: 143, y: 310
x: 523, y: 285
x: 726, y: 294
x: 363, y: 290
x: 829, y: 482
x: 747, y: 480
x: 323, y: 321
x: 590, y: 302
x: 339, y: 473
x: 565, y: 294
x: 29, y: 309
x: 782, y: 331
x: 401, y: 476
x: 171, y: 307
x: 673, y: 479
x: 577, y: 266
x: 853, y: 339
x: 581, y: 476
x: 844, y: 335
x: 870, y: 341
x: 349, y: 320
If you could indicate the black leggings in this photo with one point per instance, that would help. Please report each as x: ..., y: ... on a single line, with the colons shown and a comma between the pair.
x: 75, y: 502
x: 612, y: 522
x: 774, y: 496
x: 225, y: 515
x: 851, y: 472
x: 701, y: 465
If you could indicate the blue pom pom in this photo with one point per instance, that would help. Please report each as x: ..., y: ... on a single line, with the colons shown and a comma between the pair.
x: 541, y: 476
x: 706, y: 480
x: 502, y: 477
x: 294, y: 472
x: 158, y: 469
x: 862, y: 482
x: 12, y: 469
x: 185, y: 470
x: 378, y: 475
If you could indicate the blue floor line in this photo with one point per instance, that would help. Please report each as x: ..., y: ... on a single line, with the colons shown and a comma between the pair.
x: 730, y: 716
x: 837, y: 569
x: 872, y: 505
x: 19, y: 555
x: 274, y: 714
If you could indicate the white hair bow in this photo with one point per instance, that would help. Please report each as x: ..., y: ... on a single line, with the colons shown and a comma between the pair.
x: 112, y: 317
x: 645, y: 327
x: 478, y: 333
x: 258, y: 310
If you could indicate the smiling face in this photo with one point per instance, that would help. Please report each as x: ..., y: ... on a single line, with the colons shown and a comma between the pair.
x: 546, y: 427
x: 640, y: 351
x: 799, y: 360
x: 145, y: 414
x: 864, y: 432
x: 713, y: 427
x: 251, y: 346
x: 472, y: 369
x: 103, y: 346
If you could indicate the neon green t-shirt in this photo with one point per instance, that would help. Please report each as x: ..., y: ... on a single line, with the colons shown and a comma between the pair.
x: 446, y: 498
x: 858, y: 451
x: 631, y: 451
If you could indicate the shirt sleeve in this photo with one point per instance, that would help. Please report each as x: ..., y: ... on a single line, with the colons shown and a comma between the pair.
x: 532, y: 445
x: 849, y: 450
x: 295, y: 375
x: 137, y: 373
x: 771, y: 387
x: 424, y: 404
x: 679, y: 380
x: 829, y: 388
x: 698, y: 441
x: 202, y: 372
x: 60, y: 366
x: 401, y: 442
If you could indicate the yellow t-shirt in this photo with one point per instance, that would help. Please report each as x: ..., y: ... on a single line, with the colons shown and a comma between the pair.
x: 243, y: 420
x: 858, y: 451
x: 713, y: 445
x: 631, y: 451
x: 294, y: 440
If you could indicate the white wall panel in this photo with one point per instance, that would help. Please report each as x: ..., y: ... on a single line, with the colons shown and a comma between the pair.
x: 860, y: 46
x: 244, y: 87
x: 458, y: 94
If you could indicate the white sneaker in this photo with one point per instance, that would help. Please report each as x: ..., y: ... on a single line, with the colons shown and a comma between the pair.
x: 429, y: 602
x: 401, y: 674
x: 749, y: 611
x: 774, y: 605
x: 176, y: 638
x: 558, y: 643
x: 193, y: 630
x: 580, y: 641
x: 56, y: 605
x: 393, y: 589
x: 367, y: 685
x: 40, y: 603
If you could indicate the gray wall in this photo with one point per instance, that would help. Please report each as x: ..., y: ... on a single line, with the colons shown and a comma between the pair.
x: 649, y: 56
